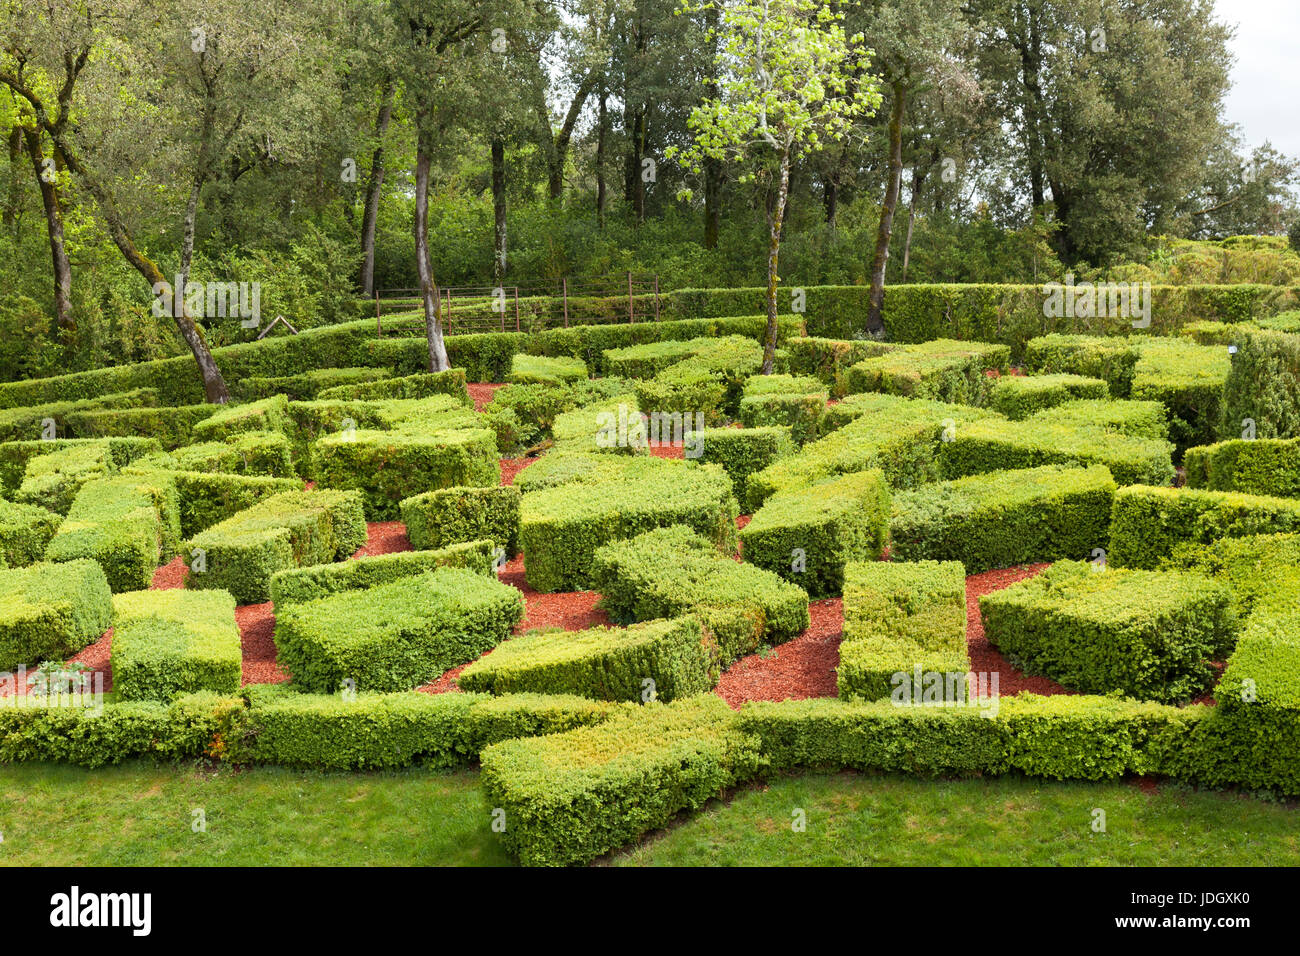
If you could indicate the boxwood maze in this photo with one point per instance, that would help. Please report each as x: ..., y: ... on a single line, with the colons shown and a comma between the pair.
x: 881, y: 473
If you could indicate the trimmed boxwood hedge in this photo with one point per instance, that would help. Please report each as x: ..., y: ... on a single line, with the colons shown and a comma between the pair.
x: 708, y: 383
x: 1140, y: 419
x: 170, y: 426
x: 305, y: 386
x: 561, y: 527
x: 1262, y: 386
x: 543, y: 370
x: 807, y: 536
x: 247, y: 453
x: 25, y: 533
x: 1148, y: 524
x: 291, y: 529
x: 129, y: 523
x: 568, y: 798
x: 1144, y: 634
x: 943, y: 370
x: 656, y: 660
x: 743, y: 451
x: 1019, y: 396
x: 209, y: 497
x: 1003, y: 518
x: 420, y: 385
x: 828, y: 360
x: 174, y: 642
x: 389, y: 466
x: 673, y: 571
x: 648, y: 360
x: 899, y: 617
x: 52, y: 481
x: 296, y: 585
x: 1112, y: 359
x: 397, y: 635
x: 436, y: 519
x: 25, y: 423
x: 1264, y: 466
x: 267, y: 414
x: 796, y: 401
x: 51, y: 611
x: 15, y: 455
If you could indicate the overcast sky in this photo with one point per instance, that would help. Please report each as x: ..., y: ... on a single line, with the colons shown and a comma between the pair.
x: 1265, y: 95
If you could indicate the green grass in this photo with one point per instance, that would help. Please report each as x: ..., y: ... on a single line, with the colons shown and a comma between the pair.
x: 141, y: 814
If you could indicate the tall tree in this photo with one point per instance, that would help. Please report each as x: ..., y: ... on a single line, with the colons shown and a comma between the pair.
x: 783, y: 92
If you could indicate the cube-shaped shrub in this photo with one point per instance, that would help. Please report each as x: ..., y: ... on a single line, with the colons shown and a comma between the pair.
x: 807, y: 536
x: 296, y: 585
x: 543, y: 370
x: 657, y: 660
x: 612, y: 425
x: 421, y: 385
x: 1096, y: 356
x: 388, y: 466
x: 796, y: 401
x: 708, y: 383
x: 561, y: 527
x: 828, y: 360
x: 266, y: 415
x: 569, y: 798
x: 943, y: 370
x: 246, y: 453
x: 1140, y: 419
x: 128, y: 523
x: 170, y: 426
x: 900, y: 436
x: 168, y: 643
x: 1149, y: 524
x: 51, y: 611
x: 1189, y: 380
x: 1144, y: 634
x: 997, y: 445
x: 436, y: 519
x: 288, y: 530
x: 25, y: 533
x: 649, y: 359
x: 209, y: 497
x: 395, y: 636
x: 1262, y: 386
x: 1263, y: 466
x: 1019, y: 396
x: 900, y: 619
x: 744, y: 451
x: 1005, y: 517
x: 673, y: 571
x: 52, y: 481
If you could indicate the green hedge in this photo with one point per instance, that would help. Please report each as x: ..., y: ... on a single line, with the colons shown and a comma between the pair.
x: 657, y: 660
x: 169, y: 643
x: 543, y: 370
x: 828, y: 360
x: 387, y: 731
x: 291, y: 529
x: 994, y: 445
x: 1145, y: 634
x: 648, y: 360
x: 901, y: 618
x: 25, y: 533
x: 1189, y: 380
x: 296, y: 585
x: 708, y: 383
x: 796, y: 401
x: 1148, y: 524
x: 673, y: 571
x: 387, y: 467
x: 744, y: 451
x: 1262, y: 386
x: 568, y: 798
x: 561, y: 527
x: 27, y: 423
x: 308, y: 385
x: 397, y: 635
x: 52, y: 481
x: 207, y: 498
x: 15, y: 455
x: 420, y: 385
x: 1139, y: 419
x: 171, y: 426
x: 1019, y: 396
x: 248, y: 453
x: 1113, y: 360
x: 943, y: 370
x: 436, y: 519
x: 267, y: 414
x: 51, y: 611
x: 1003, y: 518
x: 129, y: 524
x: 1265, y: 466
x: 900, y: 436
x: 807, y: 536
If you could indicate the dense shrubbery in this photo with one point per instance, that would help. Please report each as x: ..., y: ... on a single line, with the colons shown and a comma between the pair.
x: 169, y: 643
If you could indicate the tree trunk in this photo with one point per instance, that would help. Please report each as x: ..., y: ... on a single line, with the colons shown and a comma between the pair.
x: 438, y: 361
x: 558, y: 151
x: 370, y: 218
x: 602, y: 132
x: 499, y: 210
x: 918, y: 179
x: 54, y: 227
x: 876, y: 298
x: 775, y: 220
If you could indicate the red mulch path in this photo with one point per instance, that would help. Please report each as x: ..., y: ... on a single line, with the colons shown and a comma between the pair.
x: 668, y: 451
x: 171, y: 575
x: 795, y: 670
x: 257, y: 638
x: 511, y: 467
x: 984, y: 657
x: 384, y: 537
x: 482, y: 393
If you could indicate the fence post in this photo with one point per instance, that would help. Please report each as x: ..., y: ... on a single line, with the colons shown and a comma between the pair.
x: 379, y: 325
x: 516, y: 308
x: 564, y: 285
x: 630, y: 315
x: 656, y: 297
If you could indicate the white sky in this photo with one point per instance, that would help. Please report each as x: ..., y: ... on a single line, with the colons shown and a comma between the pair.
x: 1265, y: 95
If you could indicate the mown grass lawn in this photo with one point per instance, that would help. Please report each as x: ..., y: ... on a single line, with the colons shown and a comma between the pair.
x: 142, y: 814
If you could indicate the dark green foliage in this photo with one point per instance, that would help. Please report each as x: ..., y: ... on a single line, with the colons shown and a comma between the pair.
x: 454, y: 515
x: 168, y: 643
x: 51, y: 611
x: 296, y: 585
